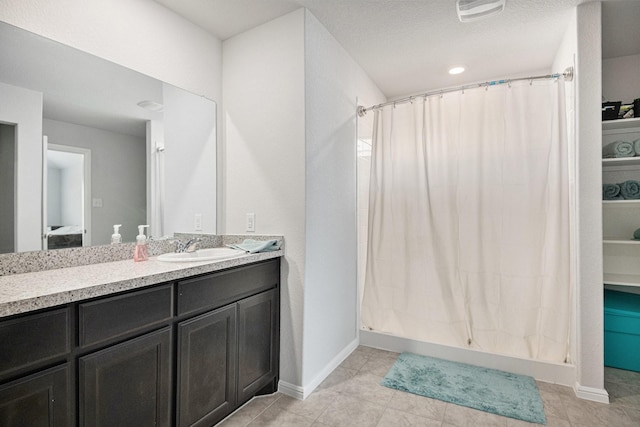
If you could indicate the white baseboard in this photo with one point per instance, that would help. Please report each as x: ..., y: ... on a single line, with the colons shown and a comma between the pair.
x: 292, y: 390
x: 303, y: 392
x: 557, y: 373
x: 589, y: 393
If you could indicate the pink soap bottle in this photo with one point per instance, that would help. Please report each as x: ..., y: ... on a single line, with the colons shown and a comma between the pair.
x: 141, y: 253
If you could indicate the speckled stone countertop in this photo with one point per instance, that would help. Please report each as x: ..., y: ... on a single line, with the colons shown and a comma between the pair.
x: 20, y: 293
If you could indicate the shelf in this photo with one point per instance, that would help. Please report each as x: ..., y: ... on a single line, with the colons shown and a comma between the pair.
x: 621, y: 124
x: 620, y: 241
x: 621, y: 202
x: 621, y: 161
x: 622, y: 279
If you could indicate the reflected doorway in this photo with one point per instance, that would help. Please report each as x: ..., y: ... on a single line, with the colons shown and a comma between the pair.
x: 67, y: 216
x: 7, y: 188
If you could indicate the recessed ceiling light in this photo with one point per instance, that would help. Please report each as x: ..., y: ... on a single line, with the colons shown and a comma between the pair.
x: 151, y: 106
x: 456, y: 70
x: 472, y: 10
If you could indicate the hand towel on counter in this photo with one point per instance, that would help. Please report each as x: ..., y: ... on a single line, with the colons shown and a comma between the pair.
x: 611, y: 192
x: 618, y: 149
x: 630, y: 189
x: 636, y: 146
x: 253, y: 246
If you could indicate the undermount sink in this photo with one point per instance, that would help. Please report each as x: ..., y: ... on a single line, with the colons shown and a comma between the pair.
x: 209, y: 254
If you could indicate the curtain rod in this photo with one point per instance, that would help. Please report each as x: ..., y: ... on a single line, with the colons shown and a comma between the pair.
x: 567, y: 74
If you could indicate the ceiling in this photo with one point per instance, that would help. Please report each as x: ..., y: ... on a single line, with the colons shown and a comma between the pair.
x: 407, y: 46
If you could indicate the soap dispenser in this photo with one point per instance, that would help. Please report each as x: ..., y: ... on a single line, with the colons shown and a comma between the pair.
x: 141, y: 253
x: 116, y: 238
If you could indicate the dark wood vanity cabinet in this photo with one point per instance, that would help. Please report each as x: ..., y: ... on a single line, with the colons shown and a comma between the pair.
x: 35, y: 378
x: 184, y: 354
x: 128, y: 384
x: 240, y: 312
x: 258, y: 341
x: 40, y: 399
x: 207, y: 366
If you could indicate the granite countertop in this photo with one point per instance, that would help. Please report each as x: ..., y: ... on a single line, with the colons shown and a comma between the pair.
x: 20, y: 293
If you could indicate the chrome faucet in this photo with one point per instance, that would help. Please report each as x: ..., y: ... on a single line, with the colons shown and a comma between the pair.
x: 188, y: 246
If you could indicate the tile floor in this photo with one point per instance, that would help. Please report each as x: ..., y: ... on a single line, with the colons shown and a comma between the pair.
x: 353, y: 397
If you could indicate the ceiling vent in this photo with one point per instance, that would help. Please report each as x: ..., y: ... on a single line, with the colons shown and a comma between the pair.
x: 473, y: 10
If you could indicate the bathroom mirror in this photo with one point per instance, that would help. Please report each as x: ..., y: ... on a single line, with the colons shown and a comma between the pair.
x: 149, y: 149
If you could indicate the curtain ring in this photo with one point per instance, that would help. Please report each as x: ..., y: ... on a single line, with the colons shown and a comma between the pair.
x: 411, y: 99
x: 441, y: 94
x: 509, y: 84
x: 530, y: 82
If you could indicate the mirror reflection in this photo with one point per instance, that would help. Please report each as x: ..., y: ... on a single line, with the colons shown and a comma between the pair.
x: 86, y: 144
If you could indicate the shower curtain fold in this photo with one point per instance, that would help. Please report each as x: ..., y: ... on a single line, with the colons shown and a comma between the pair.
x: 468, y: 241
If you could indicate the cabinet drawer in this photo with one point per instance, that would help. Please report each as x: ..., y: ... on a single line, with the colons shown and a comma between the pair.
x: 33, y: 340
x: 119, y: 316
x: 218, y: 289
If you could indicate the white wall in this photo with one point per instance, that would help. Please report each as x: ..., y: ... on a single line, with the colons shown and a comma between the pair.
x: 190, y: 160
x: 24, y: 108
x: 118, y: 176
x: 264, y: 156
x: 621, y: 79
x: 290, y: 126
x: 334, y: 84
x: 138, y: 34
x: 589, y: 292
x: 566, y: 57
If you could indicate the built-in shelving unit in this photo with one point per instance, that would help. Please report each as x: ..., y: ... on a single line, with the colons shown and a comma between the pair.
x: 621, y: 254
x: 624, y: 124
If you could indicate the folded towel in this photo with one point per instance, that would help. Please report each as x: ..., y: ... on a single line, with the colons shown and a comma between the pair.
x: 618, y: 149
x: 636, y: 145
x: 611, y: 192
x: 630, y: 189
x: 636, y: 234
x: 253, y: 246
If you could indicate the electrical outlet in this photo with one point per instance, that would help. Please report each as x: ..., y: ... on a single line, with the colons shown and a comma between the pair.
x: 96, y: 202
x: 251, y: 222
x: 198, y: 222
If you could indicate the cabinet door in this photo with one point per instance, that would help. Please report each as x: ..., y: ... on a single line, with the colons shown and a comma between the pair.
x: 39, y: 400
x: 207, y: 367
x: 257, y: 343
x: 128, y: 384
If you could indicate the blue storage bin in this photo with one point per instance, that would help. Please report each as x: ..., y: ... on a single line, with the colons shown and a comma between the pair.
x: 622, y: 330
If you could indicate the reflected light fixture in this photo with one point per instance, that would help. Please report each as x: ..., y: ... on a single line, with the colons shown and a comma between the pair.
x: 151, y: 106
x: 456, y: 70
x: 473, y: 10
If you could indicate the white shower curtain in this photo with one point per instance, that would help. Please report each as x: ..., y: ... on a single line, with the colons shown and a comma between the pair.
x: 468, y: 239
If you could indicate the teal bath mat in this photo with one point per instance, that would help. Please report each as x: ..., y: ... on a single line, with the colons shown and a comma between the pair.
x: 489, y: 390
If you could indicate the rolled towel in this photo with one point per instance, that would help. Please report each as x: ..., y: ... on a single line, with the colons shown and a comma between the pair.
x: 636, y: 144
x: 253, y: 246
x: 630, y: 189
x: 611, y: 192
x: 618, y: 149
x: 636, y: 234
